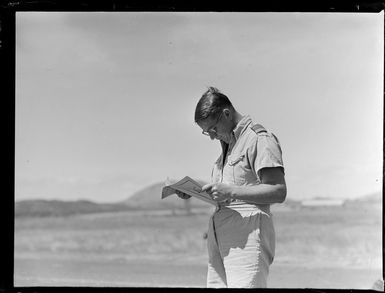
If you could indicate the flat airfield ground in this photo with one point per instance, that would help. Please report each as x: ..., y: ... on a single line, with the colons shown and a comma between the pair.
x: 162, y: 274
x: 338, y: 247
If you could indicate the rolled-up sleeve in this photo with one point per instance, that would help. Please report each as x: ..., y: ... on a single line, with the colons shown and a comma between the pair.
x: 266, y: 153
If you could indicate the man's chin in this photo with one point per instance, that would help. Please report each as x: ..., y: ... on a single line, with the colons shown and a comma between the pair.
x: 222, y: 139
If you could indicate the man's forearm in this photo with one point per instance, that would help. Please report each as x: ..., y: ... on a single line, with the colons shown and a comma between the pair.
x: 261, y: 193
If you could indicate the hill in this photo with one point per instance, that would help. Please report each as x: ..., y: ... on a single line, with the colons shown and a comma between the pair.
x: 150, y: 198
x: 375, y: 197
x: 370, y: 200
x: 59, y: 208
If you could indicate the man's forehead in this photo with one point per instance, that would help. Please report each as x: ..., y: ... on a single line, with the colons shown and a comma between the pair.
x: 208, y: 122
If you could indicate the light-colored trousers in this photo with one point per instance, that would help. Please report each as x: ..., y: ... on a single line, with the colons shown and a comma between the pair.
x: 241, y: 247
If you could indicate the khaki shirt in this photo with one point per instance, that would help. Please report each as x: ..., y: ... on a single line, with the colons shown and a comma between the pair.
x: 247, y: 153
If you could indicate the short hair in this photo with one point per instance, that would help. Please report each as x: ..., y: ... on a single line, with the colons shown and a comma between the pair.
x: 211, y: 103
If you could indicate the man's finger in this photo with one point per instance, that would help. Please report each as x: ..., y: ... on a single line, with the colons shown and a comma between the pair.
x: 208, y: 187
x: 182, y: 194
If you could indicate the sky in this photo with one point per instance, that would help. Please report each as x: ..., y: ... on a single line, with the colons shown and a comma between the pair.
x: 105, y: 101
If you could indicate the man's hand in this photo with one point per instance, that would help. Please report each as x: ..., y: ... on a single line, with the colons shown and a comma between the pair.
x: 218, y: 191
x: 182, y: 195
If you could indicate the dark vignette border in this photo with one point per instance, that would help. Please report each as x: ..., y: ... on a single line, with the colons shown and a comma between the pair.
x: 8, y: 10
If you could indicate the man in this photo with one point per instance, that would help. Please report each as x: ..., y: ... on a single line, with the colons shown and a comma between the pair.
x: 246, y: 179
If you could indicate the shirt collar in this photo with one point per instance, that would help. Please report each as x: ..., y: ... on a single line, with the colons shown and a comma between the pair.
x: 241, y: 126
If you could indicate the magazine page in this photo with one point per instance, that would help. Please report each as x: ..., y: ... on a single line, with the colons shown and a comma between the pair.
x: 190, y: 187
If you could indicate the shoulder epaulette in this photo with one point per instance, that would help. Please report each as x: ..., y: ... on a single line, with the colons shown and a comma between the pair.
x: 258, y: 128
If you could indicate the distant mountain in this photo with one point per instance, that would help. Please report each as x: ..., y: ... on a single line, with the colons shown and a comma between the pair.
x: 374, y: 198
x: 371, y: 197
x: 150, y: 198
x: 58, y: 208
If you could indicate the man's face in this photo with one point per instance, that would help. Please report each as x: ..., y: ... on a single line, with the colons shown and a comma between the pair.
x: 216, y: 127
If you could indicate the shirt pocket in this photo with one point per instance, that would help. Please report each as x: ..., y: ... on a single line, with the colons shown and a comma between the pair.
x: 235, y: 169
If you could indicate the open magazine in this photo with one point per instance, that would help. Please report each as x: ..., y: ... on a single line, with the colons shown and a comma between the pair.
x: 189, y: 186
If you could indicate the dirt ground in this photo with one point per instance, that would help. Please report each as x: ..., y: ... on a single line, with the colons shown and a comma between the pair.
x: 139, y: 273
x: 338, y: 248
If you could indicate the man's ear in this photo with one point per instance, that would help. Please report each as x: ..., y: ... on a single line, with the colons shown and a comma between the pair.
x: 227, y: 113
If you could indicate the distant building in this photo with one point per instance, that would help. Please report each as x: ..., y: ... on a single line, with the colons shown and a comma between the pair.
x: 322, y: 202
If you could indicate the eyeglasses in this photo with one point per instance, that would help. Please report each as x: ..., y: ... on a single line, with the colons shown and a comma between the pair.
x: 211, y: 129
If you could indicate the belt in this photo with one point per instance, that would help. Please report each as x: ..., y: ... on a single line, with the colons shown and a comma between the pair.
x: 226, y: 202
x: 263, y: 207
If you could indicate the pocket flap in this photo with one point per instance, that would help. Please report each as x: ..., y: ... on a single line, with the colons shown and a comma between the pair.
x: 234, y: 159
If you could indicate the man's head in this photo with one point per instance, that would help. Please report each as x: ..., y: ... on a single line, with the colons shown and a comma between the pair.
x: 216, y: 115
